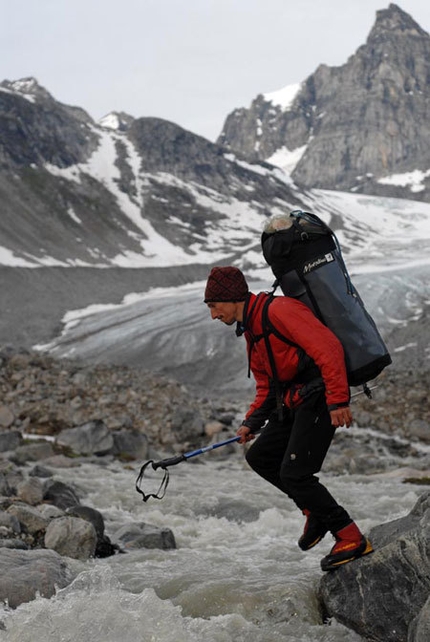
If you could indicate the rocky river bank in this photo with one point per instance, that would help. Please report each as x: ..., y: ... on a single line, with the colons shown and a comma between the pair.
x: 58, y: 414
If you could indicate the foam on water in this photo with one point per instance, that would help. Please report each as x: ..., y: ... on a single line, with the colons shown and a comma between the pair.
x: 237, y: 573
x: 95, y: 608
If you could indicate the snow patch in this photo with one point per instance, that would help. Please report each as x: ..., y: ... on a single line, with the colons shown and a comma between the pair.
x: 283, y: 98
x: 71, y: 212
x: 414, y: 180
x: 287, y: 159
x: 110, y: 121
x: 7, y: 257
x: 28, y: 97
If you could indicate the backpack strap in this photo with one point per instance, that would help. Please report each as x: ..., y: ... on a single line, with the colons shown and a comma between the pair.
x: 308, y: 371
x: 269, y: 328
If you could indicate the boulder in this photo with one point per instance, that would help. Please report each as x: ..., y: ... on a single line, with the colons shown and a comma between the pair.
x: 71, y: 536
x: 384, y: 596
x: 104, y: 547
x: 9, y: 440
x: 130, y: 444
x: 25, y: 574
x: 6, y: 416
x: 60, y: 494
x: 187, y: 424
x: 92, y: 438
x: 13, y: 543
x: 49, y: 511
x: 9, y: 523
x: 9, y: 481
x: 30, y: 491
x: 142, y: 535
x: 30, y: 519
x: 32, y: 452
x: 40, y: 471
x: 61, y: 461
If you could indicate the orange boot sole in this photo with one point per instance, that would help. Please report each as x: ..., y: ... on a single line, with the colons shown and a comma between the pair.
x: 334, y: 560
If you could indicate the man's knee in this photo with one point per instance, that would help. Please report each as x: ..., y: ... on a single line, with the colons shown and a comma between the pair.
x: 295, y: 481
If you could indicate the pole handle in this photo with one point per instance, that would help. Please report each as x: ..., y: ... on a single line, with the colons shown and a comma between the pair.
x: 171, y: 461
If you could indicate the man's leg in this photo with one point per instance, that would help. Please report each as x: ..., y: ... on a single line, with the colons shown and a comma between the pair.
x: 310, y: 439
x: 267, y: 452
x: 311, y: 435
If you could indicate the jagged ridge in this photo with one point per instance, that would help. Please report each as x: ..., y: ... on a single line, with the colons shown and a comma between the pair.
x: 352, y: 125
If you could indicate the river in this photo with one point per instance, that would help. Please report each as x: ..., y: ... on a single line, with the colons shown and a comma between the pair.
x: 236, y: 575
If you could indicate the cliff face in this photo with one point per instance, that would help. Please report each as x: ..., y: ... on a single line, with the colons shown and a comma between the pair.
x: 351, y: 127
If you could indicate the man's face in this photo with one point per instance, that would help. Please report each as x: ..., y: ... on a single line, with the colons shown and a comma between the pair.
x: 223, y: 311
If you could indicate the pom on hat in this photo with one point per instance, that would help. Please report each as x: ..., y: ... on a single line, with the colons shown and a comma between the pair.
x: 226, y: 284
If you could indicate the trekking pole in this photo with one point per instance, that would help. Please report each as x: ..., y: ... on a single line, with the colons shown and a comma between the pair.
x: 172, y: 461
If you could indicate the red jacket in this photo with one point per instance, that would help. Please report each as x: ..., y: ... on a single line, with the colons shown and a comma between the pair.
x: 296, y: 323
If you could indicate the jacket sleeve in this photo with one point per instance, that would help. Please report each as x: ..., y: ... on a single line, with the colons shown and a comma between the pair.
x: 265, y: 397
x: 297, y: 322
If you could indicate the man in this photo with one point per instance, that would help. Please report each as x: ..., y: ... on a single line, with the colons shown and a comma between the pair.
x: 302, y: 396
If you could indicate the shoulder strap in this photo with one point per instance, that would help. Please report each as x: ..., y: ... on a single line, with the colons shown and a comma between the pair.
x: 268, y: 329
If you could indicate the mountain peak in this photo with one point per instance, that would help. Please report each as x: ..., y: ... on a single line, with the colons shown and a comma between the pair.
x: 119, y: 121
x: 27, y: 87
x: 394, y: 19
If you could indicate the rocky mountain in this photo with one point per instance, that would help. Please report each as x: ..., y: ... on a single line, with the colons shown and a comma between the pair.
x: 363, y: 126
x: 126, y: 192
x: 145, y: 193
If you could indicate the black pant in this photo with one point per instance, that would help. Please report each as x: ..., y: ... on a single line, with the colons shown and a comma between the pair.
x: 288, y: 453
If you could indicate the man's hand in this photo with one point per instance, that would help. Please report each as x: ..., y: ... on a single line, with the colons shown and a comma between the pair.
x: 341, y: 417
x: 245, y: 434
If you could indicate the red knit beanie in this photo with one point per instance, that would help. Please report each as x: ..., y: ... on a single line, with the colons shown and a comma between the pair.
x: 225, y: 284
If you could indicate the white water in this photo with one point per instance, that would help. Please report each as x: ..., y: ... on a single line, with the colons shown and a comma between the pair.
x: 236, y: 575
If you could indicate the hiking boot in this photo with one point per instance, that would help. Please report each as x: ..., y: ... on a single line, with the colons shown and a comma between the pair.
x: 313, y: 532
x: 350, y: 544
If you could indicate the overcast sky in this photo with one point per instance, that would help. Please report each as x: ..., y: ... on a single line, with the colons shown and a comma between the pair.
x: 188, y: 61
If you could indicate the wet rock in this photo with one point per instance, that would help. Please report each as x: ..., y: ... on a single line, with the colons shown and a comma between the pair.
x: 30, y: 491
x: 130, y: 444
x: 60, y: 494
x: 398, y: 570
x: 49, y: 511
x: 10, y: 523
x: 25, y: 574
x: 61, y: 461
x: 30, y: 519
x: 9, y: 440
x: 104, y: 547
x: 92, y: 438
x: 13, y: 543
x: 32, y: 452
x: 142, y: 535
x: 11, y: 479
x: 40, y: 471
x: 71, y: 537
